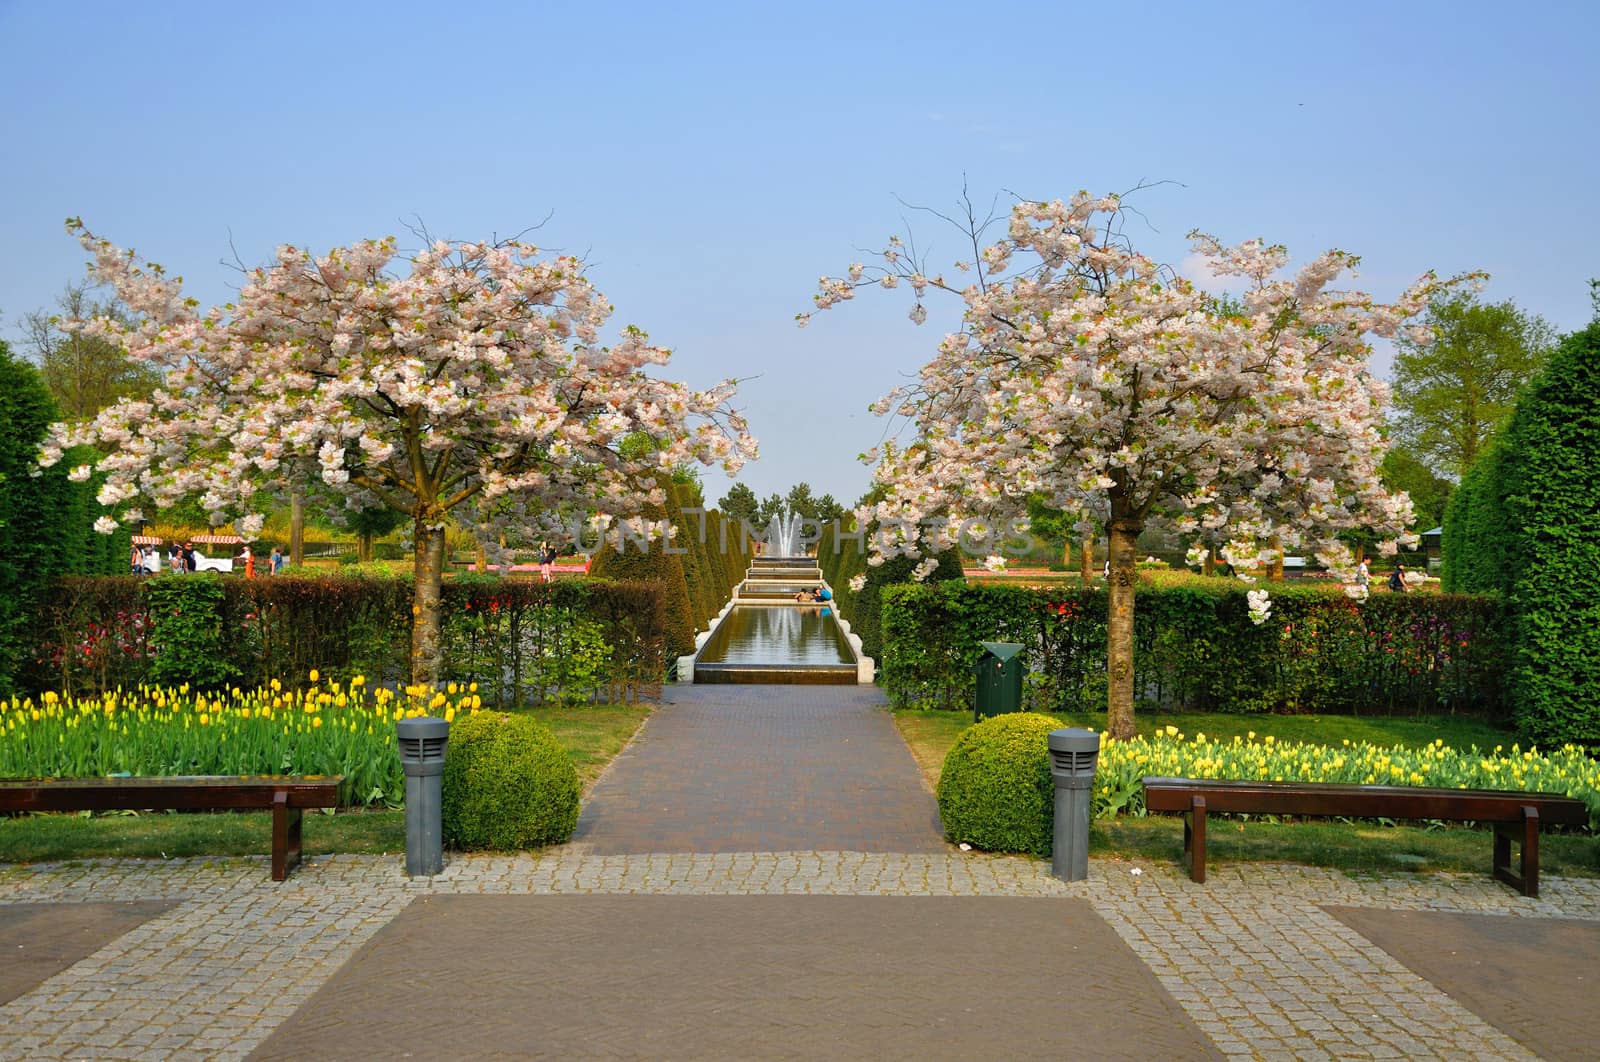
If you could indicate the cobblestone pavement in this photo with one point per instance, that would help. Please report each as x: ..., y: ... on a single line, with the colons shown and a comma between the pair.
x: 1252, y: 957
x: 766, y: 769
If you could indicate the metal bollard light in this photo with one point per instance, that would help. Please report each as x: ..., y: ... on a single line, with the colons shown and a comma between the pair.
x: 422, y: 745
x: 1073, y: 756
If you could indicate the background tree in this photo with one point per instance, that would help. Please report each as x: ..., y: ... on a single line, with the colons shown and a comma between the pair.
x: 800, y: 502
x: 371, y: 523
x: 741, y: 503
x: 828, y: 508
x: 1454, y: 393
x: 1094, y: 372
x: 771, y: 505
x: 85, y: 373
x: 472, y: 386
x: 1429, y: 491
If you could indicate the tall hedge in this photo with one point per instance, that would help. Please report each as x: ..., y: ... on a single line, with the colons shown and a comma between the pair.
x: 631, y: 564
x: 692, y: 559
x: 1481, y: 546
x: 1196, y: 649
x: 46, y: 521
x: 1553, y: 499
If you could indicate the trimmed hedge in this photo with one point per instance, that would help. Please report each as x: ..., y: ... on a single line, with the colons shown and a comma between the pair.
x: 1553, y: 501
x: 1480, y: 547
x: 1195, y: 649
x: 96, y: 634
x: 658, y: 566
x: 46, y: 521
x: 995, y: 791
x: 507, y: 785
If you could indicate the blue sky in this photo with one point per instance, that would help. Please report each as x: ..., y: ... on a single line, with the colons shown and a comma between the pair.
x: 711, y: 161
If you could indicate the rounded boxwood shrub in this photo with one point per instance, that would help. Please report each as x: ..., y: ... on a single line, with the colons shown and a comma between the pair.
x: 995, y: 791
x: 507, y: 784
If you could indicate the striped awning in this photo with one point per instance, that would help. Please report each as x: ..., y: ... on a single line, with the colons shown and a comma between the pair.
x: 207, y: 539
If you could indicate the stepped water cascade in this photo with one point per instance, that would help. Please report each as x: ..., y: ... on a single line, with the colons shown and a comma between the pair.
x: 765, y: 635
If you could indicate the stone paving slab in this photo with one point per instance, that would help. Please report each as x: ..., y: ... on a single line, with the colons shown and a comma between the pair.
x: 763, y: 769
x: 39, y: 940
x: 1252, y: 957
x: 740, y: 977
x: 1536, y: 979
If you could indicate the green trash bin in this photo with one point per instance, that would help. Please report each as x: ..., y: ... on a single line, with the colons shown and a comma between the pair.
x: 999, y: 674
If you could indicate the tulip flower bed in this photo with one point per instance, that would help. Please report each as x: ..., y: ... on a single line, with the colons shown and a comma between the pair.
x: 326, y: 728
x: 1124, y: 763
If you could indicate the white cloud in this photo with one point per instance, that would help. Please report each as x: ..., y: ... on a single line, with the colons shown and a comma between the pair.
x: 1197, y: 267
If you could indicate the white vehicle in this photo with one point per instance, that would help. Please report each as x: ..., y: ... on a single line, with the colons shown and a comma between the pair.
x: 152, y: 562
x: 203, y: 563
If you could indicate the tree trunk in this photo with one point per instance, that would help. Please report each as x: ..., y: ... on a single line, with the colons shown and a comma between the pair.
x: 1119, y: 630
x: 364, y: 547
x: 1275, y: 573
x: 1066, y: 553
x: 297, y: 530
x: 1086, y: 560
x: 426, y: 650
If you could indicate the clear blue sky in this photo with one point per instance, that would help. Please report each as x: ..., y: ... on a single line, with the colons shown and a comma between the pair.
x: 712, y: 162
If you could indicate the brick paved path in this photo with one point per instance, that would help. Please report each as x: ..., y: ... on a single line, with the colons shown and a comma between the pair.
x: 1252, y: 957
x: 763, y: 769
x: 742, y: 977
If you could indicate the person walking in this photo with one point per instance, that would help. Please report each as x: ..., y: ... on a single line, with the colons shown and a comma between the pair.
x: 249, y: 559
x: 547, y: 562
x: 1397, y: 579
x: 1363, y: 574
x: 275, y: 561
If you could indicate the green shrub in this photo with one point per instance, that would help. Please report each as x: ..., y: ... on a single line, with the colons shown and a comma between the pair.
x: 995, y: 791
x: 508, y: 785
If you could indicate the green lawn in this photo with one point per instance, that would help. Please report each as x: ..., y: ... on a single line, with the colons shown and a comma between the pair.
x: 1349, y: 846
x: 593, y: 736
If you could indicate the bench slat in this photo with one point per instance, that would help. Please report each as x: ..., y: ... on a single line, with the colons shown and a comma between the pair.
x: 1517, y: 816
x: 285, y: 795
x: 123, y: 794
x: 1362, y: 801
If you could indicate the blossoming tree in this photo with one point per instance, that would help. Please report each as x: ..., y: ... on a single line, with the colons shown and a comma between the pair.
x: 1092, y: 378
x: 472, y: 385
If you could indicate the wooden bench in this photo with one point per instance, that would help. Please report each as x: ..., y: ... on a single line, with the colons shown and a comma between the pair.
x: 284, y: 795
x: 1515, y: 816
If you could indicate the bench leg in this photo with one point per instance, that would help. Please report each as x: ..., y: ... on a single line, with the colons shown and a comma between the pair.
x: 1194, y: 839
x: 1525, y: 878
x: 285, y: 837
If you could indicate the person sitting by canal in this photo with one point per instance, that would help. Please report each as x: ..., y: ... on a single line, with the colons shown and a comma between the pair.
x: 824, y: 594
x: 805, y: 596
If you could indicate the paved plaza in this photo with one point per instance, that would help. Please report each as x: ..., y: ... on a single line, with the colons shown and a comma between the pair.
x: 604, y: 949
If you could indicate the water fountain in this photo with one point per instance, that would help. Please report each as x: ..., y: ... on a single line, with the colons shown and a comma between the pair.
x: 783, y: 536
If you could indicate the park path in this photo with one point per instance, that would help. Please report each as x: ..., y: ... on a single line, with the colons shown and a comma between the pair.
x: 726, y: 768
